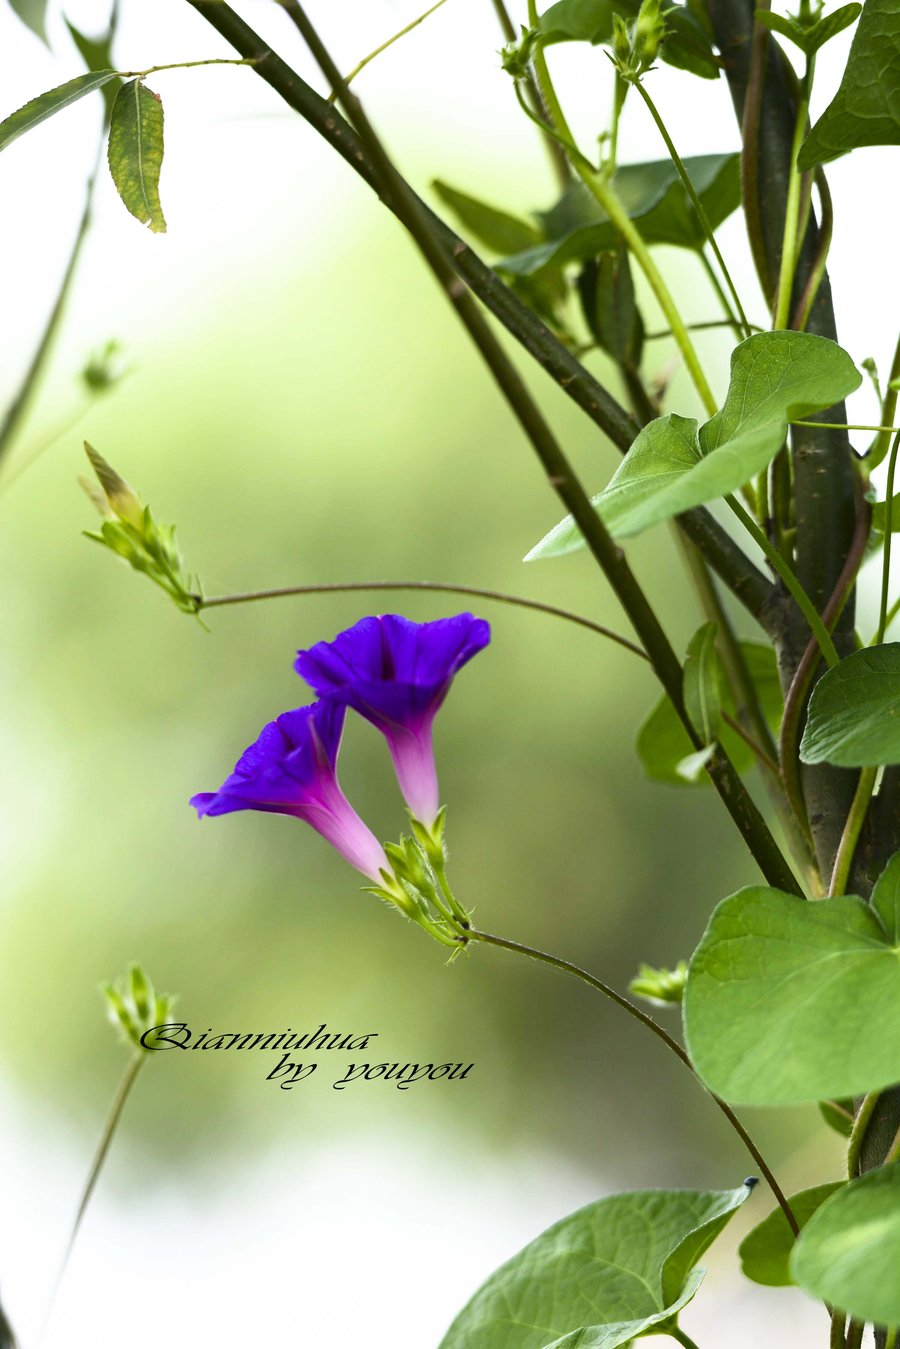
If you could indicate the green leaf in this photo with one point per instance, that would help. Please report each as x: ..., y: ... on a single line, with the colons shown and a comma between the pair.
x: 136, y: 152
x: 702, y: 682
x: 606, y: 291
x: 790, y: 1001
x: 497, y: 230
x: 866, y: 108
x: 886, y: 898
x: 838, y: 1115
x: 662, y: 742
x: 672, y: 466
x: 766, y: 1250
x: 849, y: 1251
x: 809, y: 38
x: 97, y: 56
x: 854, y: 712
x: 33, y: 14
x: 600, y: 1276
x: 38, y: 109
x: 577, y: 228
x: 688, y: 45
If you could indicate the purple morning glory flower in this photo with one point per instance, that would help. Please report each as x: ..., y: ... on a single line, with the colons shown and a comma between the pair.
x: 396, y: 674
x: 290, y: 770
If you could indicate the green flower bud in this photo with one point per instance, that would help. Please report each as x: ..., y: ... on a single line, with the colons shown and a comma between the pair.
x: 515, y: 57
x: 659, y: 986
x: 649, y: 34
x: 134, y: 1007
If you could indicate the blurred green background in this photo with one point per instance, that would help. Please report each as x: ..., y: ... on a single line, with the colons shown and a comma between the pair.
x: 306, y: 408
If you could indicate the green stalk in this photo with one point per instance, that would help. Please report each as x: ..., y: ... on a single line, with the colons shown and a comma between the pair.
x: 789, y: 576
x: 880, y: 445
x: 852, y: 830
x: 361, y: 65
x: 886, y: 544
x: 860, y: 1125
x: 639, y: 1015
x: 791, y: 239
x: 559, y: 160
x: 697, y: 204
x: 608, y: 199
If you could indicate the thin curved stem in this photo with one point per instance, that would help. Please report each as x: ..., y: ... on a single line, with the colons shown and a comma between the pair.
x: 361, y: 65
x: 606, y: 196
x: 697, y: 204
x: 678, y: 1334
x: 119, y: 1101
x: 791, y: 581
x: 857, y: 1135
x: 795, y: 702
x: 437, y: 587
x: 568, y: 968
x: 880, y: 445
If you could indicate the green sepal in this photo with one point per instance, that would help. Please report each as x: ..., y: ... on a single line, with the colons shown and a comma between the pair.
x: 134, y: 1007
x: 661, y: 987
x: 688, y: 44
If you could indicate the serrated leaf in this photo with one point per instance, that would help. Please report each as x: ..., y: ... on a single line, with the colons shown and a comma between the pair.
x: 853, y: 719
x: 662, y: 742
x: 97, y: 55
x: 621, y: 1261
x: 688, y: 46
x: 674, y: 465
x: 886, y: 898
x: 136, y: 152
x: 702, y: 683
x: 789, y: 1001
x: 866, y: 107
x: 766, y: 1251
x: 497, y: 230
x: 849, y: 1251
x: 33, y: 14
x: 577, y: 229
x: 38, y: 109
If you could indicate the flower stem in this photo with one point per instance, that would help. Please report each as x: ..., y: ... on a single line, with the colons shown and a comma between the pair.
x: 123, y: 1091
x: 836, y: 1338
x: 608, y: 199
x: 558, y: 158
x: 678, y: 1334
x: 567, y: 967
x: 879, y: 447
x: 438, y: 587
x: 860, y: 1125
x: 697, y: 205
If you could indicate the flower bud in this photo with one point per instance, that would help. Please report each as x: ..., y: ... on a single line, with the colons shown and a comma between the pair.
x: 134, y: 1007
x: 659, y: 986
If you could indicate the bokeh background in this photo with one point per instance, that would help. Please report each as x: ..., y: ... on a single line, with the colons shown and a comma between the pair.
x: 303, y: 404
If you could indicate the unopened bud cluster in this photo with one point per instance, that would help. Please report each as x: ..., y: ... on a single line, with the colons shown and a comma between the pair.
x: 130, y: 531
x: 636, y: 46
x: 135, y: 1008
x: 417, y: 883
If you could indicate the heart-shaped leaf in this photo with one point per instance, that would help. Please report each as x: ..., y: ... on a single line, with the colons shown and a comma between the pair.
x: 790, y: 1001
x: 766, y: 1251
x: 674, y: 465
x: 866, y: 108
x: 600, y: 1276
x: 849, y: 1251
x: 853, y: 719
x: 577, y: 228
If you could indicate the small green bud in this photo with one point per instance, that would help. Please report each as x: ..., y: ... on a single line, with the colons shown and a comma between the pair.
x: 104, y: 368
x: 130, y: 531
x: 134, y: 1007
x: 621, y: 42
x: 515, y: 57
x: 659, y: 986
x: 648, y: 35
